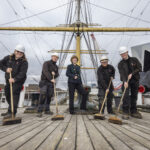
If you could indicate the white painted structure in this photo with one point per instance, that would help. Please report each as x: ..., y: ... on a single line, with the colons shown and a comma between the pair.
x: 139, y: 51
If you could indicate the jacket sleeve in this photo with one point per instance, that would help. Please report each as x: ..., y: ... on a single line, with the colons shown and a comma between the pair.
x: 101, y: 81
x: 113, y: 72
x: 22, y: 73
x: 138, y: 65
x: 68, y: 72
x: 122, y: 73
x: 3, y: 63
x: 46, y: 72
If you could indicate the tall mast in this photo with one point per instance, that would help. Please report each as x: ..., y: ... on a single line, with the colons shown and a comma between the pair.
x: 78, y: 8
x: 78, y: 39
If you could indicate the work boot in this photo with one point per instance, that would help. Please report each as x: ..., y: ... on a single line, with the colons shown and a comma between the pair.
x: 48, y: 113
x: 4, y: 114
x: 72, y: 112
x: 136, y: 115
x: 125, y: 116
x: 39, y: 114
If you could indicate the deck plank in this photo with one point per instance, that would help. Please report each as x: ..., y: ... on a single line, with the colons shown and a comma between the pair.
x: 75, y: 132
x: 139, y: 127
x: 16, y: 143
x: 134, y: 136
x: 16, y: 128
x: 52, y: 141
x: 15, y: 135
x: 123, y: 137
x: 113, y: 140
x: 38, y: 139
x: 138, y: 132
x: 82, y: 135
x: 141, y: 122
x: 68, y: 140
x: 98, y: 141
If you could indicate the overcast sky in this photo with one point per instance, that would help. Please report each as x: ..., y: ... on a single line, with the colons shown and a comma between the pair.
x: 38, y: 43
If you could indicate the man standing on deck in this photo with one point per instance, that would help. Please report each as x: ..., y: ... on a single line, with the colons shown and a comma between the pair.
x: 129, y: 68
x: 105, y: 73
x: 46, y: 84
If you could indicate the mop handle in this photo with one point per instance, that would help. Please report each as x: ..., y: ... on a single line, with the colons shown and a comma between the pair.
x: 106, y: 93
x: 55, y: 97
x: 122, y: 97
x: 11, y: 94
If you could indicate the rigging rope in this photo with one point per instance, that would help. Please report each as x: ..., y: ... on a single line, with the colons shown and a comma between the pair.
x: 42, y: 12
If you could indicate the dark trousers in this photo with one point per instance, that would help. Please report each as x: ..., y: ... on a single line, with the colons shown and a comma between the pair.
x: 82, y: 91
x: 101, y: 96
x: 46, y: 94
x: 16, y: 94
x: 130, y: 98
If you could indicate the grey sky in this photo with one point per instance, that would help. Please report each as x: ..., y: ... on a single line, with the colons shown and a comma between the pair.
x: 38, y: 43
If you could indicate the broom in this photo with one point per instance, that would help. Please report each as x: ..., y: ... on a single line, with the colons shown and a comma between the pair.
x: 115, y: 119
x: 100, y: 115
x: 13, y: 119
x: 57, y: 116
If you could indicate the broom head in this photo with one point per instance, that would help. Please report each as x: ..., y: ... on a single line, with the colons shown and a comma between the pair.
x: 11, y: 121
x: 58, y: 117
x: 115, y: 120
x: 99, y: 116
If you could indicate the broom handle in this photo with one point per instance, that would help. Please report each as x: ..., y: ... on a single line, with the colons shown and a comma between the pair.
x: 122, y: 97
x: 106, y: 93
x: 55, y: 97
x: 12, y: 99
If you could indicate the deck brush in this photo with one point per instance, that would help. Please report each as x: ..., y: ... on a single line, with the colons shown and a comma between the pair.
x: 100, y: 115
x: 12, y: 119
x: 57, y: 116
x: 115, y: 119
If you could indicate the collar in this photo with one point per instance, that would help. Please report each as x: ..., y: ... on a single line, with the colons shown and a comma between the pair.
x: 53, y: 62
x: 104, y: 67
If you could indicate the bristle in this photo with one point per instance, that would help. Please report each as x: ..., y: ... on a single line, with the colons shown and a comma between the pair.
x: 99, y: 116
x: 58, y: 117
x: 11, y: 121
x: 115, y: 120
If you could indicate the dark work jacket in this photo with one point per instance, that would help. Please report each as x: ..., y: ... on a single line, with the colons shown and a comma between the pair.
x: 19, y: 68
x: 72, y: 71
x: 126, y: 67
x: 48, y: 68
x: 104, y: 75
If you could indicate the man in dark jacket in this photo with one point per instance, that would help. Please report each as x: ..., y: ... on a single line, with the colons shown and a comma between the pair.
x: 105, y: 73
x: 46, y: 84
x: 17, y: 65
x: 129, y: 68
x: 74, y: 82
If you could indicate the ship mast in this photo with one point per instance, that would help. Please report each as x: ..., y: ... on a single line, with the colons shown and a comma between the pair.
x: 78, y: 38
x: 78, y: 27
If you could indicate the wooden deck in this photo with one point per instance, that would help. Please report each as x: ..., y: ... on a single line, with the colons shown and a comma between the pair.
x: 76, y: 132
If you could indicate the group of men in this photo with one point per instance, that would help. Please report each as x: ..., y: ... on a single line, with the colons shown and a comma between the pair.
x: 129, y: 68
